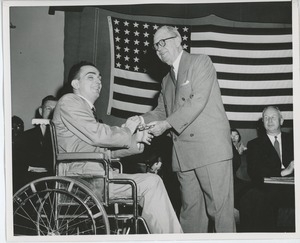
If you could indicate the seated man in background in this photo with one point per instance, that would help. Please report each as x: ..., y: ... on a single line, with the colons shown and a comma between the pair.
x: 79, y: 131
x: 270, y: 155
x: 35, y: 156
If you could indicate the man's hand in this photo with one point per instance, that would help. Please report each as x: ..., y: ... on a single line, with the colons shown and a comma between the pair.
x: 288, y: 170
x: 159, y: 127
x: 132, y: 123
x: 144, y: 137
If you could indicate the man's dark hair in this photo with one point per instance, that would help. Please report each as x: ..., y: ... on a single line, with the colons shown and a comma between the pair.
x: 74, y: 71
x: 49, y: 97
x: 17, y: 120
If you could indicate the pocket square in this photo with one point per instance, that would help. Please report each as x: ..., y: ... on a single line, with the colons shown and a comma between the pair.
x: 185, y: 83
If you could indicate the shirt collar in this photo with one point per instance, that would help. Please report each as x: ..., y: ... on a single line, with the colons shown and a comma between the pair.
x: 272, y: 137
x: 90, y: 104
x: 176, y: 63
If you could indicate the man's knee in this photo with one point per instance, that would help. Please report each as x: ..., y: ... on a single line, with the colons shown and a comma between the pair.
x: 152, y: 181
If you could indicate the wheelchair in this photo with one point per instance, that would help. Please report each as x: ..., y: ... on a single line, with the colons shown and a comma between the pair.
x: 70, y: 205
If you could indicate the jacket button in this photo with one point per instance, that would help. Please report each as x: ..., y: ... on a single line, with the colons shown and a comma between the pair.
x: 192, y: 134
x: 183, y: 98
x: 175, y: 139
x: 191, y: 96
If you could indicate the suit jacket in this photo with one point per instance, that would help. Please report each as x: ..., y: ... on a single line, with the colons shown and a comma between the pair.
x: 78, y: 131
x: 263, y: 160
x: 194, y: 108
x: 35, y: 150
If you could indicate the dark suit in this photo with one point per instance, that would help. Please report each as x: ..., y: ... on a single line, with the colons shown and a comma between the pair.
x: 34, y: 150
x: 259, y: 207
x: 202, y: 149
x: 262, y: 159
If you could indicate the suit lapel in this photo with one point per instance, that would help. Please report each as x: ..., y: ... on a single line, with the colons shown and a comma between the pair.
x: 182, y: 72
x: 286, y: 149
x: 272, y: 149
x: 184, y: 65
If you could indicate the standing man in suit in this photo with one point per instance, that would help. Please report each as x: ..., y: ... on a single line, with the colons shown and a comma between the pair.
x: 191, y: 109
x: 78, y: 131
x: 35, y: 156
x: 269, y: 155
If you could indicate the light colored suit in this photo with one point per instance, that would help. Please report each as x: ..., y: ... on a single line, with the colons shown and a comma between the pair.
x: 202, y: 150
x: 78, y: 131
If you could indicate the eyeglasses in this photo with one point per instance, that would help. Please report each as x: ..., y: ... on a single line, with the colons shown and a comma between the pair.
x: 162, y: 43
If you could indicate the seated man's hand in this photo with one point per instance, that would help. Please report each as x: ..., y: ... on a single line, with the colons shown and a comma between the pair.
x: 144, y: 137
x: 159, y: 127
x: 132, y: 123
x: 288, y: 170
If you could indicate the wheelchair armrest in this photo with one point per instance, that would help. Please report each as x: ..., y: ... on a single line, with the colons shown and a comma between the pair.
x: 79, y: 156
x: 76, y: 157
x: 117, y: 162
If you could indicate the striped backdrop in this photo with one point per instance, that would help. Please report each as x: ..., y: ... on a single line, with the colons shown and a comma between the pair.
x: 253, y: 63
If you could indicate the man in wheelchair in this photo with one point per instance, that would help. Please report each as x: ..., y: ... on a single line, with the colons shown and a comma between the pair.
x: 79, y: 131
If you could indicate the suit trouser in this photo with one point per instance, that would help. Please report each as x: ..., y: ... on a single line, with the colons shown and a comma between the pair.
x: 207, y: 194
x: 157, y: 208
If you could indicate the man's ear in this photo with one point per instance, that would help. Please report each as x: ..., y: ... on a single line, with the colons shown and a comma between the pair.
x: 281, y: 121
x: 75, y: 84
x: 41, y: 111
x: 177, y: 41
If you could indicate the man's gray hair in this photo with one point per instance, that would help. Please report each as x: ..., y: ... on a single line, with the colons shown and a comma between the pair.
x: 271, y: 106
x: 171, y: 30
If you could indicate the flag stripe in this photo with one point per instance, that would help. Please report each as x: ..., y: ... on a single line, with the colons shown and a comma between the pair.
x: 236, y: 38
x: 258, y: 100
x: 241, y: 53
x: 251, y: 61
x: 134, y: 107
x: 274, y: 69
x: 134, y: 75
x: 242, y: 46
x: 255, y: 76
x: 123, y: 113
x: 133, y: 91
x: 137, y: 84
x: 241, y: 31
x: 256, y: 92
x: 269, y: 84
x: 134, y: 99
x: 255, y: 108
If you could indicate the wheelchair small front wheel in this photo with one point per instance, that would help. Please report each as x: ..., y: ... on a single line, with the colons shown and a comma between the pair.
x: 58, y: 206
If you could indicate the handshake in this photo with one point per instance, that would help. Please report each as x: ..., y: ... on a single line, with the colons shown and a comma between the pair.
x: 139, y: 129
x: 145, y: 132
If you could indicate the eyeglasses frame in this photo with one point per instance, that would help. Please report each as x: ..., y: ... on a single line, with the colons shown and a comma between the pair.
x: 157, y: 44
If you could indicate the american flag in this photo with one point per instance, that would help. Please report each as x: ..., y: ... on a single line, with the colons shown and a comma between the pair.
x: 253, y: 63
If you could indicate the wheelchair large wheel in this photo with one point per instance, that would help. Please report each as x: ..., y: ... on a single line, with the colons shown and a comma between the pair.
x: 58, y: 206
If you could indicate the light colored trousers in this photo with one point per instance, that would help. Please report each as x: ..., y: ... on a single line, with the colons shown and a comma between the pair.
x: 207, y: 193
x: 157, y: 208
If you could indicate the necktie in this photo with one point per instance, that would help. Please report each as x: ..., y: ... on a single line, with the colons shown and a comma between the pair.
x: 95, y: 115
x: 173, y: 74
x: 43, y: 129
x: 276, y: 146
